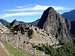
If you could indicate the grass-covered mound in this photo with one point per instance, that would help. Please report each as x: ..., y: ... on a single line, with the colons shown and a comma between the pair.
x: 15, y: 51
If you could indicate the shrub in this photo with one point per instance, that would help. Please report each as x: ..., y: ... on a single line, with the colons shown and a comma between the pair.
x: 66, y: 50
x: 30, y: 32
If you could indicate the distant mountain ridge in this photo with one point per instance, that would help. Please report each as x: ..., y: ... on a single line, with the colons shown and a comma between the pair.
x: 73, y: 27
x: 4, y: 22
x: 69, y: 15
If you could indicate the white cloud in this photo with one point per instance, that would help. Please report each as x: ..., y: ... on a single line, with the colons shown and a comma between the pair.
x: 37, y: 7
x: 35, y: 10
x: 22, y: 14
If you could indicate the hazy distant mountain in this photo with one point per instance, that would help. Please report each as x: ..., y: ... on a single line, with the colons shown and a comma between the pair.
x: 69, y: 15
x: 73, y: 27
x: 4, y: 22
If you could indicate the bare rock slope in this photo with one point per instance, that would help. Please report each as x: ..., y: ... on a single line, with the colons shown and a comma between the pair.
x: 55, y: 24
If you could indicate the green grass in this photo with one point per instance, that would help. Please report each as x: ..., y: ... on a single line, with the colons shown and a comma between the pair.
x: 65, y: 50
x: 15, y: 51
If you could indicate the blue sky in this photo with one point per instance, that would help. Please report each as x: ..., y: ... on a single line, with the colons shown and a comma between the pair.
x: 31, y: 10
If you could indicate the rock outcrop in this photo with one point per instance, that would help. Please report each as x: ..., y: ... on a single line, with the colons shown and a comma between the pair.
x: 54, y: 24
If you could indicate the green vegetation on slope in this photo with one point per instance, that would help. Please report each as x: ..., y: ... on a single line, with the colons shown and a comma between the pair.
x: 66, y: 50
x: 14, y: 51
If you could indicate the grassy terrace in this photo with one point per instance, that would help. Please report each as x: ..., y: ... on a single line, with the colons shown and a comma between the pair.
x: 14, y: 51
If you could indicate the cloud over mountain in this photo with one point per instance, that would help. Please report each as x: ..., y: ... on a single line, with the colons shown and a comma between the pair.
x: 23, y: 12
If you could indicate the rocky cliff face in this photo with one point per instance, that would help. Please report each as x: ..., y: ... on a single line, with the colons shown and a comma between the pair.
x: 55, y: 24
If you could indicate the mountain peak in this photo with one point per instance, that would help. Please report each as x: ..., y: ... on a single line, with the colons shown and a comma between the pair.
x: 54, y: 24
x: 47, y: 12
x: 50, y: 8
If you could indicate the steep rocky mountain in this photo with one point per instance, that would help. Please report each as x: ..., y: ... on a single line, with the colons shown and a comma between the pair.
x: 55, y: 24
x: 35, y: 22
x: 69, y: 15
